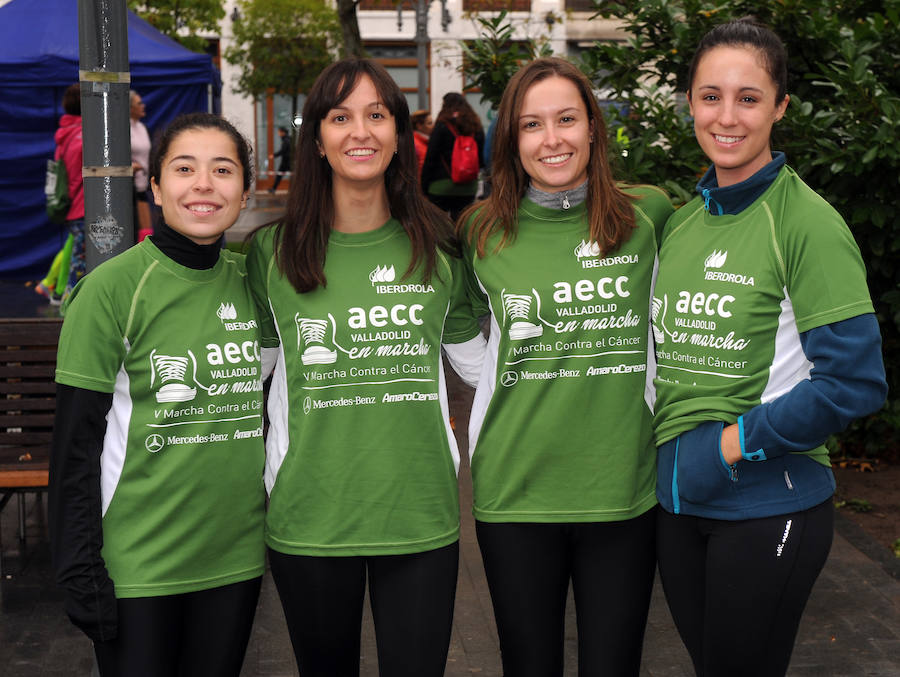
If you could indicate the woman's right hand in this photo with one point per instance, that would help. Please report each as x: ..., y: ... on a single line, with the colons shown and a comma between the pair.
x: 90, y: 603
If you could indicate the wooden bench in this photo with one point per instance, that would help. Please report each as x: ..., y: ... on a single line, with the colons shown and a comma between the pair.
x: 27, y: 407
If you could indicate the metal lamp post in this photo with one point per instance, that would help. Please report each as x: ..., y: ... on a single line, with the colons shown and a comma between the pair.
x: 422, y: 40
x: 105, y: 81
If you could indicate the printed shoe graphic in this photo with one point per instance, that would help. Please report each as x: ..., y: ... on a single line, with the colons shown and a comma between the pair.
x: 170, y: 370
x: 311, y: 334
x: 518, y: 311
x: 658, y: 315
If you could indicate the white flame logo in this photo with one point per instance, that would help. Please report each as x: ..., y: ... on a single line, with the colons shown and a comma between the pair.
x: 586, y: 249
x: 226, y: 311
x: 716, y: 259
x: 382, y: 274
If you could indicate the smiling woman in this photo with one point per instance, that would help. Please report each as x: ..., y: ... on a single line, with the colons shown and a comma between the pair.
x: 359, y: 140
x: 735, y: 104
x: 554, y: 135
x: 156, y: 502
x: 742, y: 414
x: 563, y: 259
x: 200, y: 184
x: 361, y: 458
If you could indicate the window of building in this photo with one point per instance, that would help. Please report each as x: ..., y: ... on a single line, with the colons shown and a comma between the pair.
x: 496, y: 5
x: 275, y: 110
x: 390, y: 5
x: 399, y: 58
x: 271, y: 113
x: 212, y: 48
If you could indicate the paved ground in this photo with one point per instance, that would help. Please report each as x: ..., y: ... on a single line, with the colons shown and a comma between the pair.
x: 851, y: 627
x: 852, y: 624
x: 261, y: 209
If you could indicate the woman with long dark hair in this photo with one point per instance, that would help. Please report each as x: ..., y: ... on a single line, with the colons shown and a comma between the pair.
x: 360, y: 287
x: 456, y: 118
x: 767, y: 343
x: 563, y: 462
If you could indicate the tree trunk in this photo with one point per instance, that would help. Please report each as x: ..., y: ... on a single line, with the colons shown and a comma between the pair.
x: 352, y: 43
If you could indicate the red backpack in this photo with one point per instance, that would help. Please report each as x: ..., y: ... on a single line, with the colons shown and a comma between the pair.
x: 464, y: 161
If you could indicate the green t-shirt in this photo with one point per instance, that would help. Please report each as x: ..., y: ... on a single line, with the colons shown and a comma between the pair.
x: 361, y: 459
x: 182, y: 461
x: 560, y: 425
x: 733, y: 295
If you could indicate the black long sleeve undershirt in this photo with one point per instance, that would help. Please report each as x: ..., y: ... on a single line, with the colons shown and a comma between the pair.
x: 183, y: 250
x: 76, y: 534
x: 75, y: 504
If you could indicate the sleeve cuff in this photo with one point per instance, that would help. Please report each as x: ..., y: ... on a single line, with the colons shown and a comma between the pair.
x: 467, y: 358
x: 758, y: 455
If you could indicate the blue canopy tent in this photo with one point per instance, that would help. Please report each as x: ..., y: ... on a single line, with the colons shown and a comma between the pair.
x: 38, y: 60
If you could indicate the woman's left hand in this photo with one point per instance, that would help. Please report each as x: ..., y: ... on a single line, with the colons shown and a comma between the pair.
x: 731, y: 444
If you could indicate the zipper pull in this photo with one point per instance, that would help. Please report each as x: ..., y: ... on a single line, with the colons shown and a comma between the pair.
x: 566, y: 204
x: 734, y: 476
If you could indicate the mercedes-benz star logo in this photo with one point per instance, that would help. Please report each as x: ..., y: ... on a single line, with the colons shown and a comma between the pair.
x: 509, y: 378
x: 307, y: 404
x: 154, y: 443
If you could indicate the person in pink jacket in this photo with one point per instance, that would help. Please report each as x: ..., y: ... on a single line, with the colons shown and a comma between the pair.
x: 69, y: 149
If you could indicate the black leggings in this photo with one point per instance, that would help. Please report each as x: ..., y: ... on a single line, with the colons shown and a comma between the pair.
x: 195, y: 634
x: 611, y: 566
x: 412, y: 600
x: 737, y: 589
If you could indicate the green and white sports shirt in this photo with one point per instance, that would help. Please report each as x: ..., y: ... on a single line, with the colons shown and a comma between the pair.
x: 735, y: 292
x: 361, y: 459
x: 560, y: 425
x: 182, y: 462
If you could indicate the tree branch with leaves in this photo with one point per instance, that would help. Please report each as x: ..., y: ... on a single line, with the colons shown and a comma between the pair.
x: 493, y: 58
x: 281, y: 46
x: 182, y: 20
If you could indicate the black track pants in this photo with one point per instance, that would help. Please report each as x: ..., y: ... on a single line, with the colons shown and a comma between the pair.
x: 412, y: 600
x: 529, y: 566
x: 195, y: 634
x: 737, y: 589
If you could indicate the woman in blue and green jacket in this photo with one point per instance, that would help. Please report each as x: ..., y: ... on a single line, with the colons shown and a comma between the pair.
x: 766, y: 344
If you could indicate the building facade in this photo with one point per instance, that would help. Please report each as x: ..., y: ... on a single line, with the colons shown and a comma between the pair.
x: 388, y: 35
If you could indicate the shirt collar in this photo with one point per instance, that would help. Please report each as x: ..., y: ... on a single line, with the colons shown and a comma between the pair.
x: 737, y: 197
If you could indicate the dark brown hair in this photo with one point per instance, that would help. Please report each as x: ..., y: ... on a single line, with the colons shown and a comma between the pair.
x: 457, y: 111
x: 419, y: 118
x: 191, y: 121
x: 301, y: 239
x: 610, y: 213
x: 71, y: 101
x: 746, y: 32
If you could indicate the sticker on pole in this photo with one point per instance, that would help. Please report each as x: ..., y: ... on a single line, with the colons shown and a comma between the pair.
x: 105, y: 233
